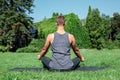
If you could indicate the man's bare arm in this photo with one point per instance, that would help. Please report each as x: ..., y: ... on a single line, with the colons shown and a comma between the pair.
x: 75, y: 49
x: 45, y: 48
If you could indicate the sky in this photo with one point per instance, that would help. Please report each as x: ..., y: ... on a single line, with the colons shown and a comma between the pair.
x: 45, y: 8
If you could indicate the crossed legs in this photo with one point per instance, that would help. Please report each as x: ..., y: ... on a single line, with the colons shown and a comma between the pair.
x: 46, y: 61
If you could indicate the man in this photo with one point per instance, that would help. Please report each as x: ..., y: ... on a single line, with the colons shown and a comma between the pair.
x: 60, y: 42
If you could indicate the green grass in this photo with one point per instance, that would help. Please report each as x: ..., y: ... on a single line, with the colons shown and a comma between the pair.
x: 93, y: 58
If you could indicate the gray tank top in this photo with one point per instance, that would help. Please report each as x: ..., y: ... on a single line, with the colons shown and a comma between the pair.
x: 61, y: 52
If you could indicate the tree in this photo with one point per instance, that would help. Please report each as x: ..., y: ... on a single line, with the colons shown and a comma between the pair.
x: 95, y: 28
x: 14, y: 12
x: 55, y: 14
x: 106, y: 24
x: 115, y: 30
x: 74, y: 26
x: 115, y: 27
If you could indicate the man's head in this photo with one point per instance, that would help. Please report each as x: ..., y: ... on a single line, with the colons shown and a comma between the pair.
x: 60, y: 21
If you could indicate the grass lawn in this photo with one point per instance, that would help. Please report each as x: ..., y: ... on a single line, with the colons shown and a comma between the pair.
x: 93, y: 58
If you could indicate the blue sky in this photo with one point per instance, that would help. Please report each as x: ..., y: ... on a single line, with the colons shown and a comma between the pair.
x: 45, y: 8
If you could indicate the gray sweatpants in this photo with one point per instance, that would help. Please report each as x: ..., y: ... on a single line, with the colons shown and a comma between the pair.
x: 46, y: 61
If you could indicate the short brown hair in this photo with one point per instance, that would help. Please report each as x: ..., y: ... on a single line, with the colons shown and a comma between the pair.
x: 60, y: 20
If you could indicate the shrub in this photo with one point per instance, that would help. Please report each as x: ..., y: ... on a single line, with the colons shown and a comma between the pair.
x: 4, y: 48
x: 74, y: 26
x: 112, y: 44
x: 34, y: 46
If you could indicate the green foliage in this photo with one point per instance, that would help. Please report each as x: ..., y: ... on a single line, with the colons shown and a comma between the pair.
x: 115, y: 27
x: 112, y: 30
x: 55, y: 14
x: 73, y: 26
x: 104, y: 31
x: 4, y: 48
x: 106, y: 25
x: 13, y: 12
x: 46, y: 27
x: 34, y: 46
x: 112, y: 44
x: 95, y: 29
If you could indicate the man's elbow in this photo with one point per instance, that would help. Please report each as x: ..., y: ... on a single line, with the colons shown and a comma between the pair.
x: 44, y: 51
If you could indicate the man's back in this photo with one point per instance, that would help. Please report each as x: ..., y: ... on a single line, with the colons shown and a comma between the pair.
x: 61, y: 52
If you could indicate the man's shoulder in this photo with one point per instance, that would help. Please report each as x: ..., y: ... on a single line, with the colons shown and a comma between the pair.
x: 71, y: 35
x: 51, y: 35
x: 71, y: 38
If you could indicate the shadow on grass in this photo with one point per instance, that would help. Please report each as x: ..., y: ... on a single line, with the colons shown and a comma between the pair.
x: 91, y: 68
x: 84, y: 68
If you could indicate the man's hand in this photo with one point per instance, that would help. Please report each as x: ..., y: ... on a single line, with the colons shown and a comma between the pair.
x: 82, y: 59
x: 39, y: 57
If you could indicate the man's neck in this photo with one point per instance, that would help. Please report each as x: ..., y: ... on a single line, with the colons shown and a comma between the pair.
x: 60, y: 29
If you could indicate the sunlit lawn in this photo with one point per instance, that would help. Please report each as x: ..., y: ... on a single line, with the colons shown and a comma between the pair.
x: 93, y: 57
